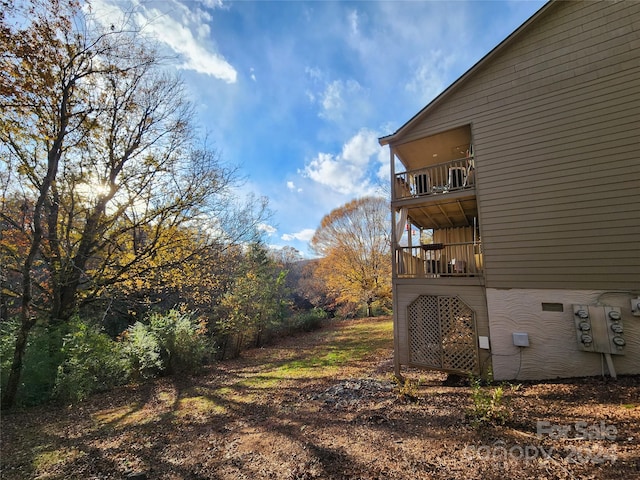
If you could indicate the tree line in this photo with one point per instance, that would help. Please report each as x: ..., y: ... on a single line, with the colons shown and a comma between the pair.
x: 123, y: 246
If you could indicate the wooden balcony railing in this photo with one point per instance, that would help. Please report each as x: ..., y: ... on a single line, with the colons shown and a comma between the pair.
x: 436, y: 179
x: 439, y: 260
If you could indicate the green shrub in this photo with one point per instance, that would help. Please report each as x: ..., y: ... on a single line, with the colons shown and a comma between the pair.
x: 182, y: 340
x: 73, y: 360
x: 142, y: 351
x: 489, y: 405
x: 308, y: 321
x: 174, y: 342
x: 39, y: 363
x: 92, y: 362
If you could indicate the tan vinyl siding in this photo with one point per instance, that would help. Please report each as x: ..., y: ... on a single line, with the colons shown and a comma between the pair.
x: 555, y: 120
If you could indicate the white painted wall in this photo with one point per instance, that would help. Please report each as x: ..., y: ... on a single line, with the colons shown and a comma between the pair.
x: 553, y: 350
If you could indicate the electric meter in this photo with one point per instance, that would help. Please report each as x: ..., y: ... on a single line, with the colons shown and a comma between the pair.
x: 614, y: 315
x: 599, y: 328
x: 619, y: 341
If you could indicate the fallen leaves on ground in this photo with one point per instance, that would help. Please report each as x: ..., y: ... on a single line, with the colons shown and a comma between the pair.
x: 304, y: 409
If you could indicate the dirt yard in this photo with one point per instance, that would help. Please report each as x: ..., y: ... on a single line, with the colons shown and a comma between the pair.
x: 324, y: 406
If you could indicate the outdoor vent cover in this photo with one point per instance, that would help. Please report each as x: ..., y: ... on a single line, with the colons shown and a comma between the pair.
x: 442, y: 334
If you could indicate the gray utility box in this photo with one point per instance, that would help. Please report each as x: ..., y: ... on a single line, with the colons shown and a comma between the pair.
x: 599, y: 329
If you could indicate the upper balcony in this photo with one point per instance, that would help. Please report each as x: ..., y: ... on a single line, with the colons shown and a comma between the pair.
x: 438, y: 196
x: 436, y: 180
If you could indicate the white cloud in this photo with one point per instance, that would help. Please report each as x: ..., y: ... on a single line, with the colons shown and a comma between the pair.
x: 332, y: 102
x: 313, y: 72
x: 212, y: 3
x: 336, y: 100
x: 347, y: 172
x: 384, y: 171
x: 185, y: 31
x: 429, y: 74
x: 303, y: 235
x: 358, y: 150
x: 353, y: 22
x: 292, y: 186
x: 268, y: 229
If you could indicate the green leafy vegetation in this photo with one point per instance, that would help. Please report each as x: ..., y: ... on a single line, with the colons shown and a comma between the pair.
x: 40, y: 365
x: 490, y: 405
x: 181, y: 337
x: 70, y: 362
x: 92, y: 362
x: 307, y: 321
x: 142, y: 351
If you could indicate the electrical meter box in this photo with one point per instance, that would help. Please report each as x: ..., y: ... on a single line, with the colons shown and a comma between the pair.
x: 599, y: 329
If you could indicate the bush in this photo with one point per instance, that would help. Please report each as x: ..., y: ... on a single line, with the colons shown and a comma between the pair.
x: 73, y: 360
x: 182, y: 339
x: 349, y: 310
x: 308, y: 321
x: 39, y: 362
x: 174, y: 342
x: 408, y: 390
x: 142, y: 351
x: 92, y: 362
x: 489, y: 405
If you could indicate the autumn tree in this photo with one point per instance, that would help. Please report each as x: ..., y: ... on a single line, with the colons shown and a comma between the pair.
x: 196, y: 281
x: 254, y: 306
x: 98, y: 149
x: 286, y: 256
x: 308, y: 290
x: 353, y: 241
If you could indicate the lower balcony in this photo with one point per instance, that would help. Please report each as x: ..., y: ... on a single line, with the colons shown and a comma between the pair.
x: 437, y: 260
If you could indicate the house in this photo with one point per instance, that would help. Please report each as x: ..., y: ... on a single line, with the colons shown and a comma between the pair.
x: 520, y: 189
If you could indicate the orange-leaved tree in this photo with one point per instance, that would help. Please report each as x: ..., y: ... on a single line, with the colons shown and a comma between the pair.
x: 354, y: 242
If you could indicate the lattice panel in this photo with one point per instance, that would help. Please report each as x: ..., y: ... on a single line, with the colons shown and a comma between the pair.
x: 442, y: 333
x: 458, y: 335
x: 424, y: 332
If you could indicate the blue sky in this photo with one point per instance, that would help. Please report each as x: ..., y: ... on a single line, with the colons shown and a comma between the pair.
x: 296, y: 93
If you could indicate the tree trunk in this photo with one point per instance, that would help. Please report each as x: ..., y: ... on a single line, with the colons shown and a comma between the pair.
x: 27, y: 321
x: 4, y: 303
x: 66, y: 291
x: 10, y: 391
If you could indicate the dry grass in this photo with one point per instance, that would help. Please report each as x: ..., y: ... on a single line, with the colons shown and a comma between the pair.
x: 324, y: 405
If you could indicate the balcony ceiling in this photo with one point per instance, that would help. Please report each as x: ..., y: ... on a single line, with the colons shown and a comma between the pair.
x: 439, y: 148
x: 458, y: 212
